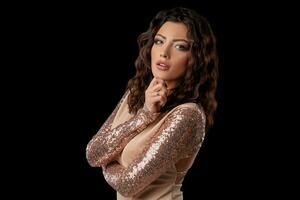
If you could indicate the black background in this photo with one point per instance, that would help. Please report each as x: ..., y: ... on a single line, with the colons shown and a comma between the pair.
x: 67, y: 66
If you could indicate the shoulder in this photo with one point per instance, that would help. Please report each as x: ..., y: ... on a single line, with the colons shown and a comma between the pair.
x: 188, y: 121
x: 190, y: 110
x: 190, y: 113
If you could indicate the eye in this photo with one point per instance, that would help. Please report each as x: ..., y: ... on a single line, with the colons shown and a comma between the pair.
x: 158, y: 41
x: 182, y: 47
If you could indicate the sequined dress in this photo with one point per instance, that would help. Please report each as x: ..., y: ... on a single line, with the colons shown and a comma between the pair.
x: 146, y: 156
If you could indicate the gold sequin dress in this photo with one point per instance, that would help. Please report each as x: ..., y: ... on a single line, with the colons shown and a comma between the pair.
x: 146, y: 156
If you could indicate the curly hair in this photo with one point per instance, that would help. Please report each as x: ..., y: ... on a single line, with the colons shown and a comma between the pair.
x: 199, y: 83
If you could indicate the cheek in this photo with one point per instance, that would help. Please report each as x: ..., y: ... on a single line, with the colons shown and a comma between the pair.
x: 152, y: 55
x: 182, y: 62
x: 181, y: 66
x: 152, y: 59
x: 153, y: 51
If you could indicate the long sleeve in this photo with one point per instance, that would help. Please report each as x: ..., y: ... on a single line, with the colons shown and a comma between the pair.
x: 108, y: 143
x: 181, y: 134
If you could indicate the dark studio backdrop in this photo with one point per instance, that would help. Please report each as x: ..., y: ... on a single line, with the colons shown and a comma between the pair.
x: 72, y: 68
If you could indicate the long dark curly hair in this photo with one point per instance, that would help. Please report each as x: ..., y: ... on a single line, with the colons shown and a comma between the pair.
x: 200, y: 81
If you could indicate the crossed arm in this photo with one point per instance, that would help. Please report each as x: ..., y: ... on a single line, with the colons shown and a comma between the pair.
x: 180, y: 134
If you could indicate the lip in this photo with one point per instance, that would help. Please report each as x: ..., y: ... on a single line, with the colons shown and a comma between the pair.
x: 162, y: 65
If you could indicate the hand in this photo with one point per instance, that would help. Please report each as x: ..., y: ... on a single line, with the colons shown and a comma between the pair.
x: 156, y: 95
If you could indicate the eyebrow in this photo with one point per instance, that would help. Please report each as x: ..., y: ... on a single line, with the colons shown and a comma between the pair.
x: 175, y: 40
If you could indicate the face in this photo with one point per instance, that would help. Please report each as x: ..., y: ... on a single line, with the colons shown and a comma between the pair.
x: 170, y: 53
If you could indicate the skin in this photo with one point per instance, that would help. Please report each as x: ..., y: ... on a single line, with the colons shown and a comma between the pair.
x: 172, y: 48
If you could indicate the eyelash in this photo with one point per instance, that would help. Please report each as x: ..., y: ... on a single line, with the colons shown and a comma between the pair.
x: 157, y: 40
x: 181, y: 47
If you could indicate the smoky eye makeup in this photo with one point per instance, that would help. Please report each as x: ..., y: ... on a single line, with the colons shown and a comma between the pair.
x: 179, y: 44
x: 182, y: 46
x: 158, y: 40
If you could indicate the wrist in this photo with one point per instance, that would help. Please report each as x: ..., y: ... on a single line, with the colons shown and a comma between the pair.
x: 149, y: 114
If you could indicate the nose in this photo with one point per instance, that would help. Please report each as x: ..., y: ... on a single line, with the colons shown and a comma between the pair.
x: 163, y: 55
x: 165, y: 52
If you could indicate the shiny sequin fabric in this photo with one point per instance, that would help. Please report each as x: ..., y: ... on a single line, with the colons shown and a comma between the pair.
x: 146, y: 156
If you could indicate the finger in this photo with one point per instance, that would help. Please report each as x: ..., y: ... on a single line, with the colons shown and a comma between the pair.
x: 160, y: 93
x: 158, y: 87
x: 155, y: 94
x: 155, y: 81
x: 164, y: 94
x: 164, y: 91
x: 158, y: 99
x: 159, y: 80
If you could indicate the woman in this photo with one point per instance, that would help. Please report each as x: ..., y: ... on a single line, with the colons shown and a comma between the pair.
x: 151, y: 139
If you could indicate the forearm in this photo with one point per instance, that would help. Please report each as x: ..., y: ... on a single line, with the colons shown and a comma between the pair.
x: 124, y: 180
x: 108, y: 143
x: 180, y: 134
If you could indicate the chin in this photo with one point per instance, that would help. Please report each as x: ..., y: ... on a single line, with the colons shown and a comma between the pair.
x: 161, y: 76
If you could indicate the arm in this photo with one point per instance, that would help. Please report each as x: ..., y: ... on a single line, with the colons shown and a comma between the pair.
x: 108, y: 143
x: 181, y: 134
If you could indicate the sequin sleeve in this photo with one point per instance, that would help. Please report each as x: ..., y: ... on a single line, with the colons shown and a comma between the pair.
x: 108, y: 143
x: 181, y: 134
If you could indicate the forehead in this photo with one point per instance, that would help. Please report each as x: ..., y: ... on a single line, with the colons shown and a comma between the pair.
x: 173, y: 30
